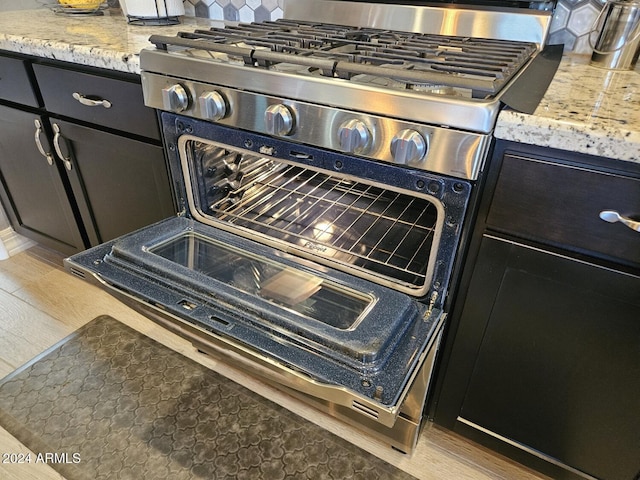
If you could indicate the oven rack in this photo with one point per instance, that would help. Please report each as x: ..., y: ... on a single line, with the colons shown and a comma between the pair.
x: 388, y: 233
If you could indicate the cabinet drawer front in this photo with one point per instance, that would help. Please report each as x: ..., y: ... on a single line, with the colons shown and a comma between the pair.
x: 560, y: 205
x: 15, y: 82
x: 96, y: 99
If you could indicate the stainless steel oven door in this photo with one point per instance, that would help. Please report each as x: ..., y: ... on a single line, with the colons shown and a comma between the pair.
x: 320, y: 331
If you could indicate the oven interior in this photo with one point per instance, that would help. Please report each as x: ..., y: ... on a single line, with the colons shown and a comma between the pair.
x: 367, y: 227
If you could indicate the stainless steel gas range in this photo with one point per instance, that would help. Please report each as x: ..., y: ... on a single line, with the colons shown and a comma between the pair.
x: 323, y: 166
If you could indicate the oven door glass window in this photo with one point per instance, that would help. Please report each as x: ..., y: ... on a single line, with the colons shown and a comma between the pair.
x: 290, y: 288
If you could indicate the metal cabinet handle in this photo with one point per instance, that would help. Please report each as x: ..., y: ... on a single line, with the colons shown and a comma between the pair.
x: 90, y: 102
x: 612, y: 216
x: 41, y: 149
x: 56, y: 145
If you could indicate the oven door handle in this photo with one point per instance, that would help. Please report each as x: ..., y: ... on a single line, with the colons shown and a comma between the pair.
x: 299, y: 382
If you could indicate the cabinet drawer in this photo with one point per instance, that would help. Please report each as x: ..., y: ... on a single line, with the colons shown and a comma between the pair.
x: 80, y: 95
x: 15, y: 82
x: 560, y: 205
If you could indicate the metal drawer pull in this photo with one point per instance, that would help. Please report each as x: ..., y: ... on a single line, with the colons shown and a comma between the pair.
x: 46, y: 155
x: 612, y: 216
x: 56, y: 145
x: 89, y: 102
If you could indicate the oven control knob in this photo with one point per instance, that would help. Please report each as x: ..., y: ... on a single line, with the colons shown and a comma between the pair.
x: 175, y: 98
x: 212, y: 105
x: 278, y: 120
x: 354, y: 136
x: 408, y: 146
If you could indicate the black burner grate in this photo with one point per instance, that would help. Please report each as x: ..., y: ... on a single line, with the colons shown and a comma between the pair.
x: 412, y: 59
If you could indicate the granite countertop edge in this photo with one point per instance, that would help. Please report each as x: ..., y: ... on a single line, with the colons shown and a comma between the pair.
x: 622, y: 144
x: 95, y: 56
x: 106, y: 41
x: 586, y: 109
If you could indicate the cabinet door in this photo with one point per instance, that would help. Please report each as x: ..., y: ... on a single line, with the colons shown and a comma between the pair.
x: 33, y: 191
x: 124, y: 183
x: 558, y: 370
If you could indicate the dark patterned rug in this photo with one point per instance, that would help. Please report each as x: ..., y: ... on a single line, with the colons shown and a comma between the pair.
x: 110, y: 403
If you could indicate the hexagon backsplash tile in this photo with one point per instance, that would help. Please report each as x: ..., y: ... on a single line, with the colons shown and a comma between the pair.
x: 572, y: 20
x: 573, y: 24
x: 235, y: 10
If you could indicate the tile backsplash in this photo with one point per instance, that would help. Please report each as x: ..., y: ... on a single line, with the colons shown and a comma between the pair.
x: 573, y: 22
x: 235, y: 10
x: 572, y: 19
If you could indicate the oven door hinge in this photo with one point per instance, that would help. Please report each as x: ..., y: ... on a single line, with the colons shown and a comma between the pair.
x: 432, y: 303
x: 182, y: 212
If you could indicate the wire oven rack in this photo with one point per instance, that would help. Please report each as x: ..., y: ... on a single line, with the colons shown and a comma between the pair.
x: 367, y: 227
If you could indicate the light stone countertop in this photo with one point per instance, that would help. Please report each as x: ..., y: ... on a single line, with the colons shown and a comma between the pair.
x: 585, y: 110
x: 106, y: 41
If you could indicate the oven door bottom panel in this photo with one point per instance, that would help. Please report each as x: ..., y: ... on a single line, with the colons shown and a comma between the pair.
x: 407, y: 420
x: 366, y: 363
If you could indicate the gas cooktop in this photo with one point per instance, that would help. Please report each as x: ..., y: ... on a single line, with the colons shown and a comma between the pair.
x: 445, y: 67
x: 435, y: 64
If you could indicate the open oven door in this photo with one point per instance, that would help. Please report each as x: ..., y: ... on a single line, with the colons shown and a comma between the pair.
x: 361, y: 350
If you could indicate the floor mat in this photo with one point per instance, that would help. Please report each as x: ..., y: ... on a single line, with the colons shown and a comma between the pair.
x: 111, y: 403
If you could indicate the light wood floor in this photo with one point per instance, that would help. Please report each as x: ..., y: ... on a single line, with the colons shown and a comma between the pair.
x: 40, y: 304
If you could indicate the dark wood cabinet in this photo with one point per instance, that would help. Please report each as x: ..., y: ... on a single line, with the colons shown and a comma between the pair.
x: 558, y: 368
x: 105, y: 101
x: 34, y: 193
x: 560, y: 203
x: 122, y: 183
x: 16, y: 82
x: 543, y: 355
x: 108, y: 173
